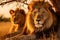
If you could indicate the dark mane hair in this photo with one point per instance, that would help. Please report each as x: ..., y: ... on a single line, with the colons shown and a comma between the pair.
x: 20, y: 11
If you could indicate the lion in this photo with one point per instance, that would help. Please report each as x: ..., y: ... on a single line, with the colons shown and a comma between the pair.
x: 16, y: 19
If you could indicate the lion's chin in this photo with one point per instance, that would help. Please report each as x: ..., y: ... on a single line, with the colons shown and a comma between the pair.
x: 38, y: 25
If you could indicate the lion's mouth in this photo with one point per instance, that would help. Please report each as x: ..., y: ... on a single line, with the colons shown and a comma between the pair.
x: 39, y: 24
x: 38, y: 27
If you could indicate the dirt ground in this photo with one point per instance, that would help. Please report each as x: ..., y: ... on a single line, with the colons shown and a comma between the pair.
x: 4, y: 28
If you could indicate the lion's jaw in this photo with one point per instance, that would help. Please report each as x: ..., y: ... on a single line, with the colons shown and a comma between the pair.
x: 39, y: 25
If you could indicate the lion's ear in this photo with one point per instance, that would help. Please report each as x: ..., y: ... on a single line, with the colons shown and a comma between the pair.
x: 11, y: 12
x: 30, y: 6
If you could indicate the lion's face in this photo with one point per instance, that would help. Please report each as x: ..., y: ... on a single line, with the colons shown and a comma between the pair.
x: 40, y: 17
x: 19, y: 16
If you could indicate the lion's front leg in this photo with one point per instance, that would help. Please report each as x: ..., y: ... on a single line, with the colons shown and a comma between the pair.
x: 44, y: 37
x: 14, y: 28
x: 53, y: 37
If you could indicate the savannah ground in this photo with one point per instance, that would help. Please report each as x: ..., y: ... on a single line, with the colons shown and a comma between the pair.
x: 4, y: 28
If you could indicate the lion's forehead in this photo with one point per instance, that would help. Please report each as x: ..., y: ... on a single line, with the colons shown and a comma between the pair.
x: 39, y: 12
x: 42, y: 16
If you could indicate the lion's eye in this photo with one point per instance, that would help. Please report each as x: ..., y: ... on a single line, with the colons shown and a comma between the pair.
x: 35, y: 12
x: 43, y: 12
x: 41, y: 16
